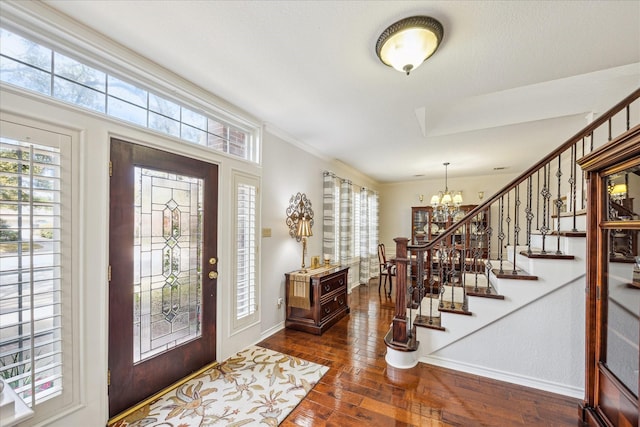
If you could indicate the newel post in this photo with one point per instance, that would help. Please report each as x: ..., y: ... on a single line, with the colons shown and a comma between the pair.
x: 400, y: 329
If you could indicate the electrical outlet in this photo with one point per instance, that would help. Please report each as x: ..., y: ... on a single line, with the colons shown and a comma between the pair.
x: 280, y: 301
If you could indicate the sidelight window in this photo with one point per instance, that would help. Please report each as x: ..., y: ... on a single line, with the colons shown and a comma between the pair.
x: 35, y: 263
x: 246, y: 250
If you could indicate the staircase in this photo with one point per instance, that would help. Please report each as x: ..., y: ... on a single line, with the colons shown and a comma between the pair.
x: 521, y: 317
x: 534, y: 302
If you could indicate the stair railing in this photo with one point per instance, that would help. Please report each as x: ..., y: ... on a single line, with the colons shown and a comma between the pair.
x: 450, y: 267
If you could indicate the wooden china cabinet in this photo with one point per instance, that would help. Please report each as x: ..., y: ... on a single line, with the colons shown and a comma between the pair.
x: 613, y: 283
x: 427, y: 225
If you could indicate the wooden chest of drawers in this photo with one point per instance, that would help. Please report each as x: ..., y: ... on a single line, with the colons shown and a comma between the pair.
x: 316, y: 300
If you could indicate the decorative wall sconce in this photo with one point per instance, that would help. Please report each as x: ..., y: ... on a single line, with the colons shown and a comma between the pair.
x: 300, y: 221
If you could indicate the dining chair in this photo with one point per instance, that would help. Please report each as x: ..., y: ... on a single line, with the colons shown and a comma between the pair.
x: 387, y: 270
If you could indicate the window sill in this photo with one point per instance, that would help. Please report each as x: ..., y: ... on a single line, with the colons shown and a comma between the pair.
x: 12, y: 408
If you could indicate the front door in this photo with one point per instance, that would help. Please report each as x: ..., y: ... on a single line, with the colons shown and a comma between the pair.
x: 163, y: 262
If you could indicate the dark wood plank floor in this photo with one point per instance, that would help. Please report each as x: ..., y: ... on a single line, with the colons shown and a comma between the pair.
x: 360, y: 389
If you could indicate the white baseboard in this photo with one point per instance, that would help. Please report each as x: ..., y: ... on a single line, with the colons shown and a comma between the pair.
x: 272, y: 330
x: 552, y: 387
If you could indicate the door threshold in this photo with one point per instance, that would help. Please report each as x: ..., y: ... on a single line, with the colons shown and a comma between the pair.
x: 155, y: 396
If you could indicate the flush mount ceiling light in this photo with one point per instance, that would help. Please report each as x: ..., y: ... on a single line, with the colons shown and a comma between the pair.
x: 407, y: 43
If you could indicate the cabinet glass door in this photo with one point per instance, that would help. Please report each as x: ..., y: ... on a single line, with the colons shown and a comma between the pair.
x: 420, y: 222
x: 621, y: 307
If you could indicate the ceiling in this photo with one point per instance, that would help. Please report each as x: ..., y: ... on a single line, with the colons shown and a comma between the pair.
x: 510, y: 81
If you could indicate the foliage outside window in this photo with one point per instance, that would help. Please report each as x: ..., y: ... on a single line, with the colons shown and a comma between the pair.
x: 32, y: 282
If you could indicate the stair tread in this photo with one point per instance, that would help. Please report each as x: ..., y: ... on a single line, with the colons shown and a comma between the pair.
x: 507, y: 273
x: 564, y: 233
x: 429, y: 322
x: 442, y: 305
x: 411, y: 345
x: 580, y: 212
x: 483, y: 292
x: 456, y: 310
x: 549, y: 255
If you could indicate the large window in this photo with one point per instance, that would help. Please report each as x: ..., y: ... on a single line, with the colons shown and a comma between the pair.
x: 246, y: 250
x: 350, y: 226
x: 36, y: 292
x: 34, y: 67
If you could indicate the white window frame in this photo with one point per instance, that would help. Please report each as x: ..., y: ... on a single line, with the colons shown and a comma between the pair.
x: 70, y: 219
x: 204, y: 134
x: 241, y: 322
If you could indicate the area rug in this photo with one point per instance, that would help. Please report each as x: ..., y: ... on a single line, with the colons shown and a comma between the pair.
x: 257, y: 386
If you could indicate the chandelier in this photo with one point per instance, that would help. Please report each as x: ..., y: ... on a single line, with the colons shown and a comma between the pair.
x: 446, y: 203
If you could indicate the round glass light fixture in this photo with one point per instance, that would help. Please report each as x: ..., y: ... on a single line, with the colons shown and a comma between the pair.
x: 407, y: 43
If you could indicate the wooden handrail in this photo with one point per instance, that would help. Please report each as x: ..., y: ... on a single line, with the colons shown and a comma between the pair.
x: 538, y: 165
x: 400, y: 336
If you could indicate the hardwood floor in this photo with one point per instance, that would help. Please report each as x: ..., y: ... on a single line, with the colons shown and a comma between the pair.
x: 360, y: 389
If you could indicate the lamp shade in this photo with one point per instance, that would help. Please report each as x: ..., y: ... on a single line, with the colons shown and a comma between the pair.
x: 619, y: 189
x: 406, y: 44
x: 304, y: 228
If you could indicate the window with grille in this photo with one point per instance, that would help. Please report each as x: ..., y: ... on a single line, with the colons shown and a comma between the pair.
x: 34, y: 67
x: 35, y: 263
x: 246, y: 249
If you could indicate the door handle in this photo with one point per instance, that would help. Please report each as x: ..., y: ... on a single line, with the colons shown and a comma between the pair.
x: 213, y: 275
x: 212, y: 260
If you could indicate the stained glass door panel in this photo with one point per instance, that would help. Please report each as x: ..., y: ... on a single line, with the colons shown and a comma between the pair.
x: 167, y: 254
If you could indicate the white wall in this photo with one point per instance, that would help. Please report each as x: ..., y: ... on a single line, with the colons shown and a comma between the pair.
x: 287, y: 170
x: 540, y: 345
x: 396, y: 200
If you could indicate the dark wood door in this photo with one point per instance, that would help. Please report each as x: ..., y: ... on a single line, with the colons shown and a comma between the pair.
x: 163, y: 259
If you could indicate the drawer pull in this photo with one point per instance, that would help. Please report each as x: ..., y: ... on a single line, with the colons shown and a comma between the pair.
x: 341, y: 282
x: 327, y: 287
x: 341, y: 301
x: 327, y: 310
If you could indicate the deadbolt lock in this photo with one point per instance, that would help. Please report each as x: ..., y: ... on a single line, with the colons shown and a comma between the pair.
x: 212, y: 260
x: 213, y: 275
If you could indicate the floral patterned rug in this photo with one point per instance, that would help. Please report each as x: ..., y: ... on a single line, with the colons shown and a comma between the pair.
x: 255, y: 387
